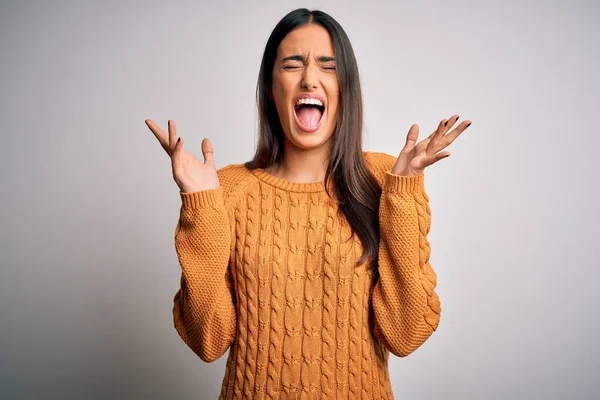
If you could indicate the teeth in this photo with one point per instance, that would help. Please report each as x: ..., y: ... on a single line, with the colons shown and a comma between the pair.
x: 307, y: 100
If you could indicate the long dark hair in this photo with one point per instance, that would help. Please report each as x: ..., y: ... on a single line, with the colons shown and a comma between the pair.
x: 356, y: 189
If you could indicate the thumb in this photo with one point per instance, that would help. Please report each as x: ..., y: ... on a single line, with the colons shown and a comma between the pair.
x: 207, y: 152
x: 411, y: 138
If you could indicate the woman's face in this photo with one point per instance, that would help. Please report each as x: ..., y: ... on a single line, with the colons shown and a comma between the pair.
x: 305, y: 86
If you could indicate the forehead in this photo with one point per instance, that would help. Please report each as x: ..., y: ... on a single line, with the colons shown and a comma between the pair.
x: 306, y: 39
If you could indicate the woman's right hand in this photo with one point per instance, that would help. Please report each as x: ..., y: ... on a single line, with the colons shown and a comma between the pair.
x: 190, y: 174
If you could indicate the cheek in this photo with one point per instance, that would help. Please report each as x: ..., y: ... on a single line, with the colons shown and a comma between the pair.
x: 281, y: 98
x: 333, y: 111
x: 280, y: 104
x: 333, y: 94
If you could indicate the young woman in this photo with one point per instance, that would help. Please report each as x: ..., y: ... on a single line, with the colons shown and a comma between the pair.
x: 311, y: 261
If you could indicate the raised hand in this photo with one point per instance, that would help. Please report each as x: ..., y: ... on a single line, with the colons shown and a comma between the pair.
x: 190, y: 174
x: 415, y: 157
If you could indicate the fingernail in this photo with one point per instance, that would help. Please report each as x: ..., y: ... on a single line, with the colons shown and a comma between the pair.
x: 469, y: 124
x: 178, y: 139
x: 457, y: 117
x: 445, y: 123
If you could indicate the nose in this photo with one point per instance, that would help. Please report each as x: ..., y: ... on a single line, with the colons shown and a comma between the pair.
x: 310, y: 79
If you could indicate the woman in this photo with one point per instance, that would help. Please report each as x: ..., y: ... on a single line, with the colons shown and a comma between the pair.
x: 311, y: 261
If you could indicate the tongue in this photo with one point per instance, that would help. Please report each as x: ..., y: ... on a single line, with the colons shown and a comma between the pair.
x: 309, y: 116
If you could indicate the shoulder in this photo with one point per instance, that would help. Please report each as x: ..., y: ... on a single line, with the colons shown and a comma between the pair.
x: 233, y: 178
x: 379, y: 163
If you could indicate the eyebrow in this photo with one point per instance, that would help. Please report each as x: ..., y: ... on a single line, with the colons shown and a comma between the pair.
x: 297, y: 57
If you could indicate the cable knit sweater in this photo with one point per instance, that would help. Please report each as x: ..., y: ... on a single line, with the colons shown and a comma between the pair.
x: 270, y: 272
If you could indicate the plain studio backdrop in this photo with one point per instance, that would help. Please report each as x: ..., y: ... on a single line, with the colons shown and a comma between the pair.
x: 89, y: 207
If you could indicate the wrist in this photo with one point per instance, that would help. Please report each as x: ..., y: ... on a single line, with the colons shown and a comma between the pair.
x: 403, y: 183
x: 201, y: 198
x: 406, y: 172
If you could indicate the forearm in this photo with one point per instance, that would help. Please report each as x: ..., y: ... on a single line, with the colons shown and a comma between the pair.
x: 406, y: 307
x: 204, y: 310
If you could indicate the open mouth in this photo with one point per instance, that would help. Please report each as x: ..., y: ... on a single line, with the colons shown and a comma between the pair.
x: 309, y: 113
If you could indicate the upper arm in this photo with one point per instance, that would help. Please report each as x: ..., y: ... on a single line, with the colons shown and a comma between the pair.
x: 379, y: 164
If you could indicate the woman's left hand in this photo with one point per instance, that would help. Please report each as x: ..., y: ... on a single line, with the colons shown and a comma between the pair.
x: 415, y: 157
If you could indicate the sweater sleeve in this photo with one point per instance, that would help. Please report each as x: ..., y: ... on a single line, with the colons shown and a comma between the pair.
x: 406, y: 307
x: 204, y: 311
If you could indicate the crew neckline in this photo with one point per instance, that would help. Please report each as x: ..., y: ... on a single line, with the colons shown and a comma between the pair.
x: 286, y: 185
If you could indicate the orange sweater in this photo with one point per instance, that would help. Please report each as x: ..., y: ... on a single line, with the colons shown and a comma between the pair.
x: 269, y: 271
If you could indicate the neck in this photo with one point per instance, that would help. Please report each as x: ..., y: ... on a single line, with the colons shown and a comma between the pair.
x: 302, y: 166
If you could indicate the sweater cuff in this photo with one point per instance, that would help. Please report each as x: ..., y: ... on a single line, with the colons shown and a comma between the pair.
x: 202, y: 198
x: 404, y: 184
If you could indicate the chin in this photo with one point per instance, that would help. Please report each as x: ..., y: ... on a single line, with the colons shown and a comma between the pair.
x: 309, y: 140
